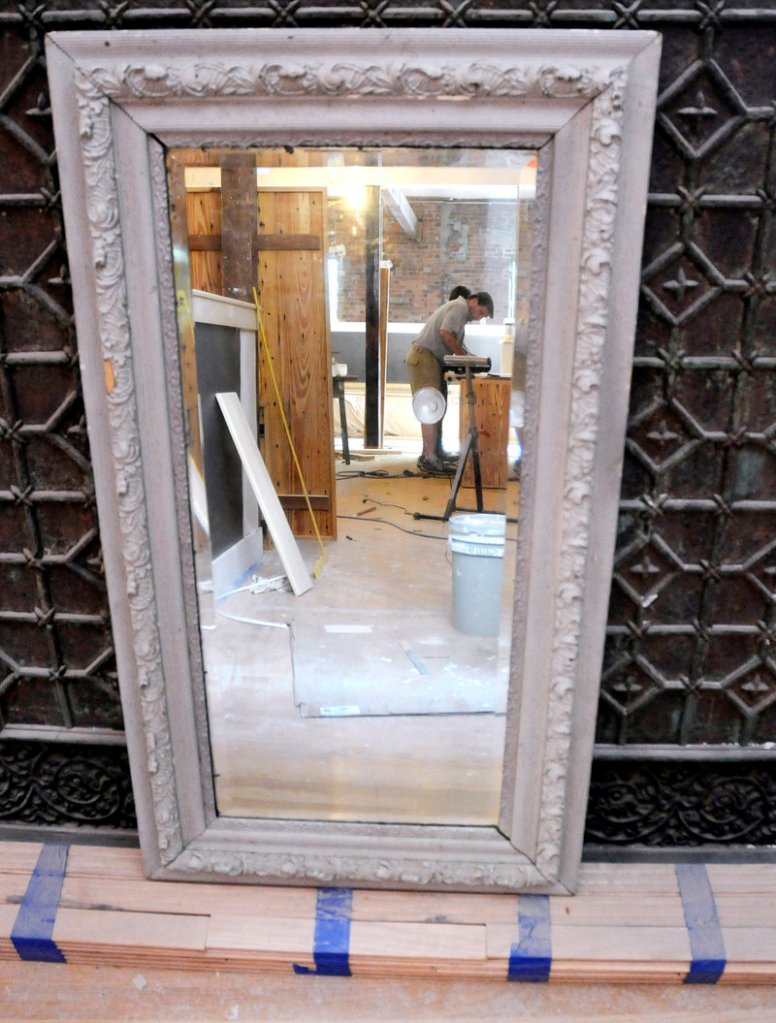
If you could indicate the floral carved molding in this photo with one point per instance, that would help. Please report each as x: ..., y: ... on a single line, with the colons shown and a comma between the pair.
x: 344, y: 80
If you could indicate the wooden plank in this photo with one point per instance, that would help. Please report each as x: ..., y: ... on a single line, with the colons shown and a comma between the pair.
x: 627, y: 878
x: 257, y: 935
x: 588, y: 943
x: 434, y: 907
x: 290, y: 242
x: 106, y: 929
x: 750, y: 944
x: 757, y: 878
x: 261, y: 484
x: 320, y: 502
x: 618, y: 911
x: 633, y: 944
x: 104, y: 863
x: 20, y: 857
x: 296, y: 343
x: 419, y: 942
x: 745, y: 910
x: 204, y: 242
x: 183, y: 898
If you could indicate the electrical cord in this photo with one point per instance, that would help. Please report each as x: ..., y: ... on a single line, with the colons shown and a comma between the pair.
x: 380, y: 474
x: 387, y: 522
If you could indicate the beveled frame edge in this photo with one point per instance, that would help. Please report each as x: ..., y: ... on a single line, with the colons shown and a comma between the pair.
x: 115, y: 98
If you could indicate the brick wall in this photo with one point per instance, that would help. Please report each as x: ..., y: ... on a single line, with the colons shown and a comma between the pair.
x: 461, y: 242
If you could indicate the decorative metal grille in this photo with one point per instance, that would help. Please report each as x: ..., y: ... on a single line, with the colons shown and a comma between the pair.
x: 690, y: 663
x: 65, y: 784
x: 686, y: 804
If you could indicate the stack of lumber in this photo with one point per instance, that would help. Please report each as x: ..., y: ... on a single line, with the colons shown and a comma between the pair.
x: 627, y: 923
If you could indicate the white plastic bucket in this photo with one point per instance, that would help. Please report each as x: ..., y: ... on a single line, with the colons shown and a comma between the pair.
x: 477, y: 544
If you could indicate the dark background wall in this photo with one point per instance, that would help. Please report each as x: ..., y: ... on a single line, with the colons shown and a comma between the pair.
x: 688, y: 704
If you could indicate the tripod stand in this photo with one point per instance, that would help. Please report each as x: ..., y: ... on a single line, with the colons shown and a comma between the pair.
x: 469, y: 449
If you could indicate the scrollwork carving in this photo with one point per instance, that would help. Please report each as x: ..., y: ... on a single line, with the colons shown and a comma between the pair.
x: 585, y: 419
x: 331, y: 870
x: 114, y: 332
x: 346, y: 80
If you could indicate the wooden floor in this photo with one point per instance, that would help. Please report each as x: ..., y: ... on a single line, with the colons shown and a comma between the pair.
x: 120, y: 947
x: 330, y: 706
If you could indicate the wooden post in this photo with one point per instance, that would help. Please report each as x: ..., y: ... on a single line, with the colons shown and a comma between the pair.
x: 239, y: 225
x: 385, y: 288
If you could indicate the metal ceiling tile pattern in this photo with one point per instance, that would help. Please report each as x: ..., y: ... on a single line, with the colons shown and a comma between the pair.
x: 689, y: 658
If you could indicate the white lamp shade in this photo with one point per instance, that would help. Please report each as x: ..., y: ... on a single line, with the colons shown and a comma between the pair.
x: 428, y: 404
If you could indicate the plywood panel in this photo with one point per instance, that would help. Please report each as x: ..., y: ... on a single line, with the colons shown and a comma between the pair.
x: 292, y: 295
x: 203, y: 213
x: 491, y: 414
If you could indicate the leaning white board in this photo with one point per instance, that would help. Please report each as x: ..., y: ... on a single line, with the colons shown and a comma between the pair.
x: 261, y: 484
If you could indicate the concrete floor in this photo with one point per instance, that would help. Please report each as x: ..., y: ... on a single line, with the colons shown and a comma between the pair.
x: 331, y: 705
x: 46, y: 991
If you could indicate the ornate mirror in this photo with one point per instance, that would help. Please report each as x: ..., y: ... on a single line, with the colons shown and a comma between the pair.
x: 126, y: 105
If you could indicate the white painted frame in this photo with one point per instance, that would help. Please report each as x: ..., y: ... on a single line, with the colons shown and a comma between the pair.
x: 585, y: 100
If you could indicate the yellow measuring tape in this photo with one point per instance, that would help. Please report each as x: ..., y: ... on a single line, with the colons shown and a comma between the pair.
x: 322, y: 559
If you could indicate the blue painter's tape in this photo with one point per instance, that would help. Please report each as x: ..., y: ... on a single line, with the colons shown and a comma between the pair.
x: 707, y: 943
x: 34, y: 925
x: 531, y: 958
x: 331, y: 943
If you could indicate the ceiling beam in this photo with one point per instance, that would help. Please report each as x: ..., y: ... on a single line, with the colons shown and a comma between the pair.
x: 398, y: 204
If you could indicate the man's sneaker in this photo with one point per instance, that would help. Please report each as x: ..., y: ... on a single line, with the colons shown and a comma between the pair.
x: 433, y: 465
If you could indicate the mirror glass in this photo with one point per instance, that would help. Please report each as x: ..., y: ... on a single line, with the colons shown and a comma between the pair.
x: 389, y: 661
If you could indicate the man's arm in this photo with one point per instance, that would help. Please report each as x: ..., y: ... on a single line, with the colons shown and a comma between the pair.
x: 450, y: 340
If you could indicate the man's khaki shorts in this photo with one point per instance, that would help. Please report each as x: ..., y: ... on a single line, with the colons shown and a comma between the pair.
x: 424, y: 369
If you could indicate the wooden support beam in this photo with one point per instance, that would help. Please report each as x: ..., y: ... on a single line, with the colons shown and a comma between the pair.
x: 239, y: 225
x: 399, y: 206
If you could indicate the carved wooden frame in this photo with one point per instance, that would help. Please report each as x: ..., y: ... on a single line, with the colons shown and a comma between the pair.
x: 585, y: 100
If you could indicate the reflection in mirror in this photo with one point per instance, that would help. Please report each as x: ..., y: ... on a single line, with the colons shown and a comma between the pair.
x: 376, y: 690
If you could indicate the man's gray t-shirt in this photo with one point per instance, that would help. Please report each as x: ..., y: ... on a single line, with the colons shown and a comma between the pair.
x: 452, y: 316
